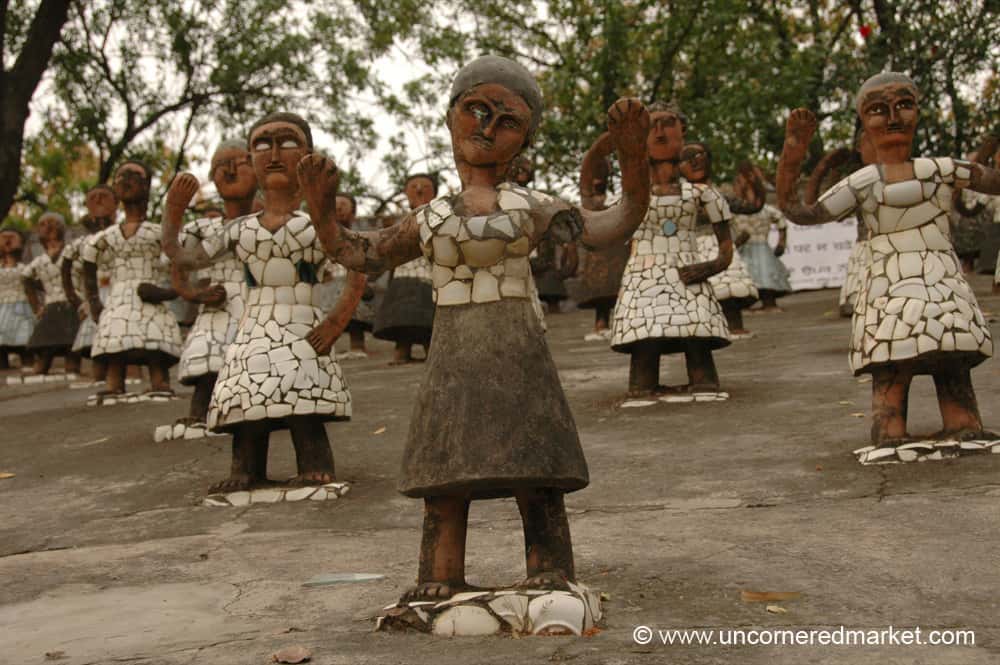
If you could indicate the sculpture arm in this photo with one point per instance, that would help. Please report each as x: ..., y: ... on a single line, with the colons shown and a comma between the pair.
x: 325, y: 334
x: 66, y: 273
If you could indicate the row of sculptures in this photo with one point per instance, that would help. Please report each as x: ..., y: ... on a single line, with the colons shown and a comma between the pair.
x: 491, y: 419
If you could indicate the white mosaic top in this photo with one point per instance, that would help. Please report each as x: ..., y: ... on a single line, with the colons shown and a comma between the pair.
x: 270, y: 370
x: 11, y: 288
x: 914, y: 301
x: 215, y: 328
x: 653, y: 303
x: 482, y: 258
x: 733, y: 282
x: 758, y: 225
x: 73, y: 252
x: 127, y: 322
x: 419, y: 268
x: 49, y: 272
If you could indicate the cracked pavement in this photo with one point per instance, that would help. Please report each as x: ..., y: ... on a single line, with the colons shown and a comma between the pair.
x: 107, y: 556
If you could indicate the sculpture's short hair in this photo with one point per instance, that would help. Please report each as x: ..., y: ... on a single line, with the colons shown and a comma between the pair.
x: 283, y: 116
x: 880, y: 79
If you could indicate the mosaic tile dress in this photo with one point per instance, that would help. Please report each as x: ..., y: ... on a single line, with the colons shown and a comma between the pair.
x: 215, y: 328
x: 127, y: 324
x: 733, y: 283
x: 915, y: 305
x: 857, y: 265
x: 407, y: 309
x: 16, y: 318
x: 58, y: 322
x: 654, y: 304
x: 271, y: 371
x: 73, y: 254
x: 767, y: 270
x: 490, y: 415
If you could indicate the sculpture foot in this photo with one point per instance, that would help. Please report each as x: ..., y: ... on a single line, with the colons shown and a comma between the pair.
x: 234, y: 483
x: 432, y: 591
x: 547, y: 580
x: 310, y: 478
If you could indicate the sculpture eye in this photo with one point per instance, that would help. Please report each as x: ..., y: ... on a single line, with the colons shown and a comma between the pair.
x: 479, y: 110
x: 289, y: 144
x: 261, y: 146
x: 878, y: 109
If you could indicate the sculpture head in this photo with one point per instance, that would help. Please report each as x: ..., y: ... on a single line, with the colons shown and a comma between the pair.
x: 666, y: 132
x: 420, y: 189
x: 494, y: 108
x: 132, y: 181
x: 101, y: 205
x: 11, y: 243
x: 887, y: 106
x: 232, y: 171
x: 277, y: 144
x: 521, y: 172
x: 51, y: 227
x: 696, y: 162
x: 346, y: 209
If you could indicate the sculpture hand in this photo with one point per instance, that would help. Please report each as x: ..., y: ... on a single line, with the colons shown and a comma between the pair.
x: 214, y: 295
x: 182, y: 191
x: 628, y: 125
x: 322, y: 337
x: 692, y: 274
x: 799, y: 130
x: 319, y: 179
x: 779, y: 249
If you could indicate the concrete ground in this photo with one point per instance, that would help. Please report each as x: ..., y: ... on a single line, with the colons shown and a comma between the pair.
x: 106, y: 555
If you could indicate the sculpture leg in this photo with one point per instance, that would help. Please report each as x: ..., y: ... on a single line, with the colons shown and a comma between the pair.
x: 403, y: 353
x: 890, y: 401
x: 357, y: 338
x: 702, y: 375
x: 72, y: 362
x: 734, y: 316
x: 99, y: 369
x: 957, y: 400
x: 602, y: 317
x: 442, y: 549
x: 115, y: 375
x: 313, y: 455
x: 4, y: 359
x: 548, y: 550
x: 768, y: 299
x: 159, y: 374
x: 644, y: 368
x: 43, y: 361
x: 249, y: 467
x: 201, y: 398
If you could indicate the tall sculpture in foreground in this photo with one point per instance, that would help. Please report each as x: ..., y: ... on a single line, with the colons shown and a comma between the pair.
x: 491, y: 419
x: 915, y: 313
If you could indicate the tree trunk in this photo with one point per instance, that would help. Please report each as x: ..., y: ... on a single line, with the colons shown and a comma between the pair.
x: 17, y: 87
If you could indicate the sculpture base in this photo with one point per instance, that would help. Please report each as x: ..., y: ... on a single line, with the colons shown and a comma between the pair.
x: 926, y: 451
x: 518, y: 612
x: 34, y: 379
x: 182, y: 431
x: 131, y: 398
x: 278, y: 494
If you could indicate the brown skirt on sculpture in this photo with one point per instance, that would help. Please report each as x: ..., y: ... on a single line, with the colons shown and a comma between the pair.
x: 491, y: 416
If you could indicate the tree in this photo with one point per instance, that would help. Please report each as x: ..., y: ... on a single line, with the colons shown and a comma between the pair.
x: 28, y: 40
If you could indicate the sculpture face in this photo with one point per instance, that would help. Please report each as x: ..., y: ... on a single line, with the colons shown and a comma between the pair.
x: 694, y: 162
x: 489, y: 125
x: 344, y: 211
x: 101, y: 206
x: 419, y: 191
x: 49, y: 228
x: 276, y: 149
x: 10, y: 242
x: 889, y: 115
x: 131, y: 184
x: 233, y: 174
x: 666, y: 136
